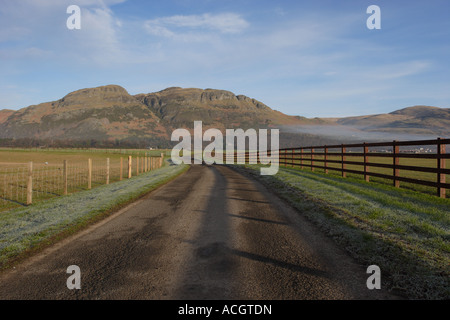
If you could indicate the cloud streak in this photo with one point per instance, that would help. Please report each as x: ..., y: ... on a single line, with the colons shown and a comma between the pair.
x: 178, y: 25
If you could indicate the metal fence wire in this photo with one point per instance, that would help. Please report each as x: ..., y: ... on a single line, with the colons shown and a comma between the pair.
x: 22, y: 184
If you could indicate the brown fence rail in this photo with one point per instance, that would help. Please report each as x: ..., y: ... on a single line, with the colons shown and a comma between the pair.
x: 23, y: 184
x: 420, y: 162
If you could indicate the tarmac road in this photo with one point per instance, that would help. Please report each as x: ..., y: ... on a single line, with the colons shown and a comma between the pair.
x: 212, y: 233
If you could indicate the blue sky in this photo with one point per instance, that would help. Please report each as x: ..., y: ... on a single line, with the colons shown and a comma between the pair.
x: 310, y: 58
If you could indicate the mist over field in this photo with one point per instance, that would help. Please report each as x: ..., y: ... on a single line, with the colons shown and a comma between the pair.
x: 354, y: 133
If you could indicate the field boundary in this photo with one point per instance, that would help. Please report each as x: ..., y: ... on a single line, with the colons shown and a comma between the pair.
x: 21, y: 184
x: 393, y: 151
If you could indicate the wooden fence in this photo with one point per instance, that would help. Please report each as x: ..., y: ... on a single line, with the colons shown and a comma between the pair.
x: 422, y: 162
x: 21, y: 185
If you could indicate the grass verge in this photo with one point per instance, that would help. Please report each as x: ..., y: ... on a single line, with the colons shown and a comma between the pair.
x: 24, y: 231
x: 405, y: 233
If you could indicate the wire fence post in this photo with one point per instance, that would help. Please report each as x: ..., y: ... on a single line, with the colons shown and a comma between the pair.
x: 107, y: 170
x: 89, y: 174
x: 65, y: 175
x: 30, y: 184
x: 145, y: 163
x: 121, y: 169
x: 129, y: 166
x: 440, y: 165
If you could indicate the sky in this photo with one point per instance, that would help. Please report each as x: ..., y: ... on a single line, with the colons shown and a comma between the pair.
x: 314, y: 58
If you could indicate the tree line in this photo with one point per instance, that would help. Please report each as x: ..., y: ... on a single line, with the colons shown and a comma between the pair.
x: 136, y: 143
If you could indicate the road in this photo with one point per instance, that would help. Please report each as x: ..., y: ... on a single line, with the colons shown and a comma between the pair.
x: 212, y: 233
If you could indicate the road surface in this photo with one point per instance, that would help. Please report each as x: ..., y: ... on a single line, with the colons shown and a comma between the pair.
x: 212, y: 233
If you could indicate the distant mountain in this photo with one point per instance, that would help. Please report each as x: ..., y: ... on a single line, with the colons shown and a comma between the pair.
x: 179, y: 108
x: 413, y: 120
x: 109, y: 113
x: 102, y: 113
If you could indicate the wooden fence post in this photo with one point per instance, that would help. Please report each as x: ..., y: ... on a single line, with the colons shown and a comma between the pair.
x: 161, y: 160
x: 301, y: 158
x: 366, y: 161
x: 396, y: 162
x: 30, y: 184
x: 107, y: 170
x: 441, y: 192
x: 129, y: 166
x: 65, y: 175
x: 292, y: 158
x: 343, y: 159
x: 312, y: 159
x: 326, y: 158
x: 89, y: 174
x: 121, y: 169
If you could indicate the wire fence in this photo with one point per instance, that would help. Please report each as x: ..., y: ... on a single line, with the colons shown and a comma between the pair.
x: 23, y: 184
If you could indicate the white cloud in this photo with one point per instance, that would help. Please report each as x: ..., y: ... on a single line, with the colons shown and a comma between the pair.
x: 99, y: 41
x: 180, y: 25
x: 81, y: 3
x: 100, y: 27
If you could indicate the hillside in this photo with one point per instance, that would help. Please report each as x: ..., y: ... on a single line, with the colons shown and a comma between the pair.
x: 4, y: 115
x: 102, y: 113
x: 178, y: 107
x: 110, y: 114
x: 413, y: 120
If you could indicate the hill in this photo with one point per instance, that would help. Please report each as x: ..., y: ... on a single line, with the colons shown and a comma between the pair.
x: 179, y: 108
x: 109, y: 114
x: 413, y: 120
x: 98, y: 113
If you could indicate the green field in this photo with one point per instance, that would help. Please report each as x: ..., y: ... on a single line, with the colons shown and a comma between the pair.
x: 57, y: 156
x: 425, y: 176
